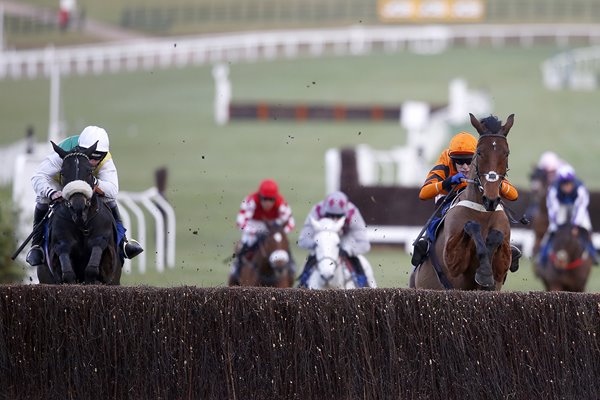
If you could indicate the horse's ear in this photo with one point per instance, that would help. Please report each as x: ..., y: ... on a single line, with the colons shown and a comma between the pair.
x: 88, y: 152
x: 509, y: 123
x: 62, y: 153
x: 477, y: 125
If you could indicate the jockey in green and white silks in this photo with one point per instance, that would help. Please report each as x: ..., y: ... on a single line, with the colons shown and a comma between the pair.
x: 47, y: 186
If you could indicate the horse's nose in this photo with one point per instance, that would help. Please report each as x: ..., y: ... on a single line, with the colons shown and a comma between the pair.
x: 490, y: 204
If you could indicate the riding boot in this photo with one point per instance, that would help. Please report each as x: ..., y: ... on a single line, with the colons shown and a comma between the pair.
x: 361, y: 278
x: 130, y: 247
x: 516, y: 254
x: 35, y: 256
x: 420, y: 252
x: 311, y: 260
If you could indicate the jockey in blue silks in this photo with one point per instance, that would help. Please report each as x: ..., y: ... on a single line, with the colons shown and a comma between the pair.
x: 46, y: 184
x: 567, y: 201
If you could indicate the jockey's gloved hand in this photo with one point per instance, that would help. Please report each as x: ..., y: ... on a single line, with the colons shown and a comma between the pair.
x: 453, y: 180
x: 54, y: 195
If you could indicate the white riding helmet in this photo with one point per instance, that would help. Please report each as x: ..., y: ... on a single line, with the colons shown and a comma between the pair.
x: 549, y: 161
x: 93, y: 134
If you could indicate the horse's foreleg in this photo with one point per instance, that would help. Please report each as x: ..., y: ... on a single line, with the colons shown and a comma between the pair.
x: 64, y: 257
x: 484, y: 275
x: 92, y: 270
x: 500, y: 265
x: 493, y: 241
x: 248, y: 275
x: 68, y: 275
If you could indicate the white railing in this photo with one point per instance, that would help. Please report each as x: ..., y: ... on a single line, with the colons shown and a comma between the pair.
x: 576, y: 69
x: 164, y: 227
x: 8, y: 155
x: 252, y: 46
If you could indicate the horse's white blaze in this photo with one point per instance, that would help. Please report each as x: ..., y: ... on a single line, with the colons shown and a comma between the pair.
x: 279, y: 256
x: 278, y: 237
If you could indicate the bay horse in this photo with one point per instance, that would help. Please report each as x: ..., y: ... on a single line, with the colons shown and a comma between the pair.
x: 472, y: 248
x: 569, y: 265
x: 333, y: 271
x: 81, y: 245
x: 537, y: 208
x: 271, y: 263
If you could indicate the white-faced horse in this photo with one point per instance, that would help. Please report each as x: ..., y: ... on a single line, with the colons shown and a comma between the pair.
x: 333, y: 271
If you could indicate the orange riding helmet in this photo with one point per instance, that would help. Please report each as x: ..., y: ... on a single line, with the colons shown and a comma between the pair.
x: 462, y: 144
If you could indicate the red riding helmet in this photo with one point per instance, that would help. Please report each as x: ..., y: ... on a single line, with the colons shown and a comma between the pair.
x: 268, y: 188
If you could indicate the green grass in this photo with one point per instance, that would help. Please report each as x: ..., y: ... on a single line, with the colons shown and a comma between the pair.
x: 164, y: 118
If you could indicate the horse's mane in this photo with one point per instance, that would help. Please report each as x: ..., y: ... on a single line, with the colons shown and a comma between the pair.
x: 491, y: 124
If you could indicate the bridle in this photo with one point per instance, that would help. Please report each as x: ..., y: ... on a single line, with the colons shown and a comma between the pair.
x: 88, y: 201
x: 490, y: 176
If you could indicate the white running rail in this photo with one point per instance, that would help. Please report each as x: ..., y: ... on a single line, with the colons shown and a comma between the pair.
x: 575, y: 69
x: 251, y: 46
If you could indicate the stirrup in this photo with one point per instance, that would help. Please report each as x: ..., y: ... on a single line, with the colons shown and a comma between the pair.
x: 35, y: 256
x: 131, y: 248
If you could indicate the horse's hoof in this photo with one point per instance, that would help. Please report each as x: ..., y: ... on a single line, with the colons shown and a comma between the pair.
x: 91, y: 276
x: 68, y: 277
x: 485, y: 281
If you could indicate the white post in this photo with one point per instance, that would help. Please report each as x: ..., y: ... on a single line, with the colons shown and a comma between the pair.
x: 458, y: 102
x: 54, y: 126
x: 222, y: 93
x: 415, y: 118
x: 1, y: 27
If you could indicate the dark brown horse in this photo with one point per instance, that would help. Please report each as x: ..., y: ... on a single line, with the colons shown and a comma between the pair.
x: 472, y: 248
x: 568, y: 265
x: 81, y: 230
x: 271, y: 263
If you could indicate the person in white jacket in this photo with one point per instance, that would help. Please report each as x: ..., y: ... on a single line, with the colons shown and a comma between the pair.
x: 353, y: 241
x: 48, y: 189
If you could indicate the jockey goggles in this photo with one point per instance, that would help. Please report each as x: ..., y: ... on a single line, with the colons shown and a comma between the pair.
x: 334, y: 216
x: 263, y: 198
x: 98, y: 155
x: 462, y: 160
